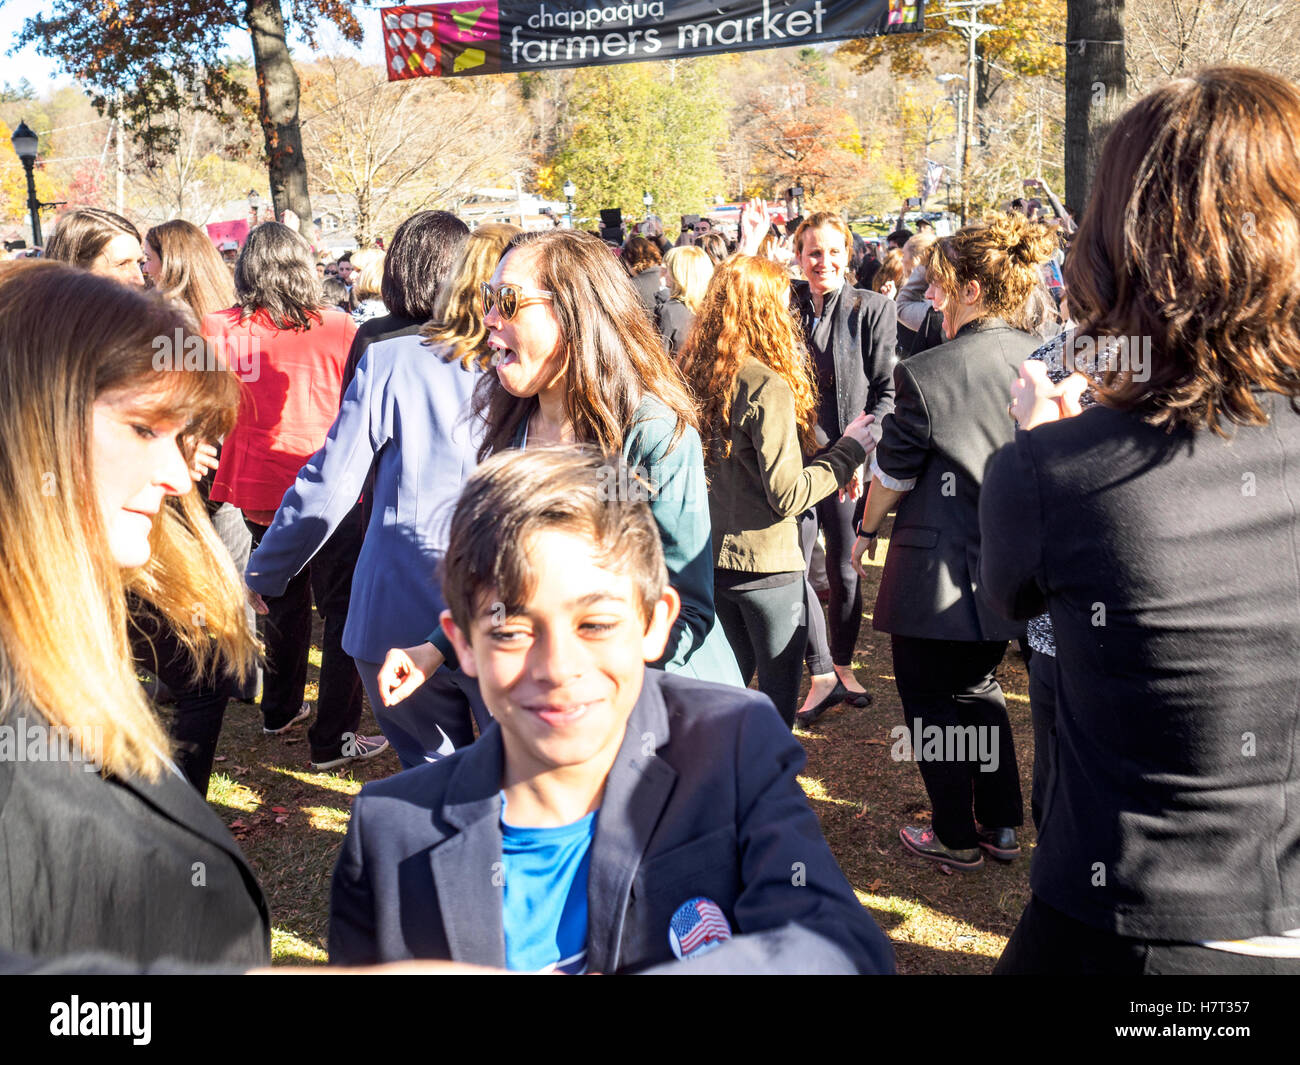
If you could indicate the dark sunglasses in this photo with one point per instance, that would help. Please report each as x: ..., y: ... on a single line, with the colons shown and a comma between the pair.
x: 509, y: 298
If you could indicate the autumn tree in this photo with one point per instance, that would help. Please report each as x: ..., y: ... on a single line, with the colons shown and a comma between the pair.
x: 1026, y: 44
x: 387, y: 149
x: 643, y: 127
x: 147, y: 61
x: 1171, y: 38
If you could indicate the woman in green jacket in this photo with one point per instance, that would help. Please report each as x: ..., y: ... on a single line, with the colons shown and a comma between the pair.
x: 577, y: 360
x: 758, y: 418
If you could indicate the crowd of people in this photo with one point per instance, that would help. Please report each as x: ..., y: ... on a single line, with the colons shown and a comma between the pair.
x: 562, y: 508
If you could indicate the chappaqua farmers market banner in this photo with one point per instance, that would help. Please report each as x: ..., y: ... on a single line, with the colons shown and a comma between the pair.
x: 465, y: 37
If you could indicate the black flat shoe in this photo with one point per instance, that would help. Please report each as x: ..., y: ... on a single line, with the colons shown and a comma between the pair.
x: 807, y: 717
x: 858, y: 699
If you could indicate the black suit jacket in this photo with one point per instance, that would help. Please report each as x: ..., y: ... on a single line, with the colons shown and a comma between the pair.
x: 142, y: 871
x: 702, y: 800
x: 1170, y: 566
x: 949, y: 419
x: 863, y: 335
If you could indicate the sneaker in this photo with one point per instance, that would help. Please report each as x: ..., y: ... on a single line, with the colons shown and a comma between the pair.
x: 925, y: 844
x: 361, y: 747
x: 297, y: 719
x: 999, y: 843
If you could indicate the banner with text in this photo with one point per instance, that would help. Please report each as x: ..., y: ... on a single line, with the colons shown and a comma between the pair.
x: 459, y: 38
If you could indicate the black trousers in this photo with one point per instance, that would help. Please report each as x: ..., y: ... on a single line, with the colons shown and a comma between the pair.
x: 768, y: 632
x: 835, y: 519
x: 200, y: 706
x: 287, y: 635
x: 1042, y: 709
x: 950, y: 684
x: 1048, y: 943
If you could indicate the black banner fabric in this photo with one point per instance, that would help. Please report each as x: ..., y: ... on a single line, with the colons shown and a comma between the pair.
x: 462, y: 38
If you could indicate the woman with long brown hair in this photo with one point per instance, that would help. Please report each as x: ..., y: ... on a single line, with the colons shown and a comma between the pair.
x: 758, y: 418
x: 404, y: 426
x: 96, y: 504
x: 1159, y: 527
x: 577, y: 360
x: 181, y: 263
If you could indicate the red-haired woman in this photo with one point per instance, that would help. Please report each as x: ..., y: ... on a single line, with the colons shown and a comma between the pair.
x: 758, y: 416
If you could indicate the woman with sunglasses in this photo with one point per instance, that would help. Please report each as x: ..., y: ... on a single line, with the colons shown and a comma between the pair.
x: 577, y: 360
x: 403, y: 422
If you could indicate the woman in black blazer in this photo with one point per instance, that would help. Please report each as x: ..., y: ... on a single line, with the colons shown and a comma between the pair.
x: 950, y: 416
x: 104, y: 846
x: 1160, y: 530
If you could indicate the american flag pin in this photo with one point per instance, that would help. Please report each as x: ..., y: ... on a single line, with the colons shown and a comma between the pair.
x: 698, y: 926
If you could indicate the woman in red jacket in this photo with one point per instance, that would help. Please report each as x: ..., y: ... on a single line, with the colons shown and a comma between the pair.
x: 293, y: 351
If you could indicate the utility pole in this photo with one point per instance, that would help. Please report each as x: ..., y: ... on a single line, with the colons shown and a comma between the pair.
x: 1096, y: 89
x: 972, y: 29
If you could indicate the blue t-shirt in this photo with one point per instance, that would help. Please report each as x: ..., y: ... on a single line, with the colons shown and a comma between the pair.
x: 544, y: 911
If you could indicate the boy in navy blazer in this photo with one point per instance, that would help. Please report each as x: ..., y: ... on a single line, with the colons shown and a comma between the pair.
x: 613, y: 818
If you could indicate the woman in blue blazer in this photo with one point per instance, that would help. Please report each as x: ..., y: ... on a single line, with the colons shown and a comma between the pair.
x: 404, y: 420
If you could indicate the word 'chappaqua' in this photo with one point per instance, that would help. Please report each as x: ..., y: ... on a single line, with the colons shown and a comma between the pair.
x: 949, y: 743
x: 102, y: 1018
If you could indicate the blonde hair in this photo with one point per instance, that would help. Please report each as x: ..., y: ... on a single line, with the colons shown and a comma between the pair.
x: 369, y: 266
x: 914, y: 250
x: 457, y: 320
x: 689, y: 271
x: 63, y: 599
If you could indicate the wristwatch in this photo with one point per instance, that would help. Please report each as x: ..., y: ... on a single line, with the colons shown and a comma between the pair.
x: 867, y: 535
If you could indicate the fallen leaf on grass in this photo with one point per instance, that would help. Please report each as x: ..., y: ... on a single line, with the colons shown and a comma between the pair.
x: 278, y: 810
x: 875, y: 885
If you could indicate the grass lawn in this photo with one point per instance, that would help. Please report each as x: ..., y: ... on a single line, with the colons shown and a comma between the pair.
x: 290, y: 822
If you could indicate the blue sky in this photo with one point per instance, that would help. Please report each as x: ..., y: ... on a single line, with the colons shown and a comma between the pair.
x: 44, y: 74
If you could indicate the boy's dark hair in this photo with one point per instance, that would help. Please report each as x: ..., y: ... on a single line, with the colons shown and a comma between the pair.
x: 899, y: 237
x: 574, y: 489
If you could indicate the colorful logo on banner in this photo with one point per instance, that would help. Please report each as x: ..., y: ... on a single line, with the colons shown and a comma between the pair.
x: 443, y: 39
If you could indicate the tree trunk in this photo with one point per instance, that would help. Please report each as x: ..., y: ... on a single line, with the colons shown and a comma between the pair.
x: 1095, y: 89
x: 277, y: 89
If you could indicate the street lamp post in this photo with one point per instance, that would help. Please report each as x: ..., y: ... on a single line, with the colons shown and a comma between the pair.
x: 24, y: 141
x: 570, y: 191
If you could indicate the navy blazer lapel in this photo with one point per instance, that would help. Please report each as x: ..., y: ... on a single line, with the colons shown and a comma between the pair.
x: 636, y: 792
x: 467, y: 868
